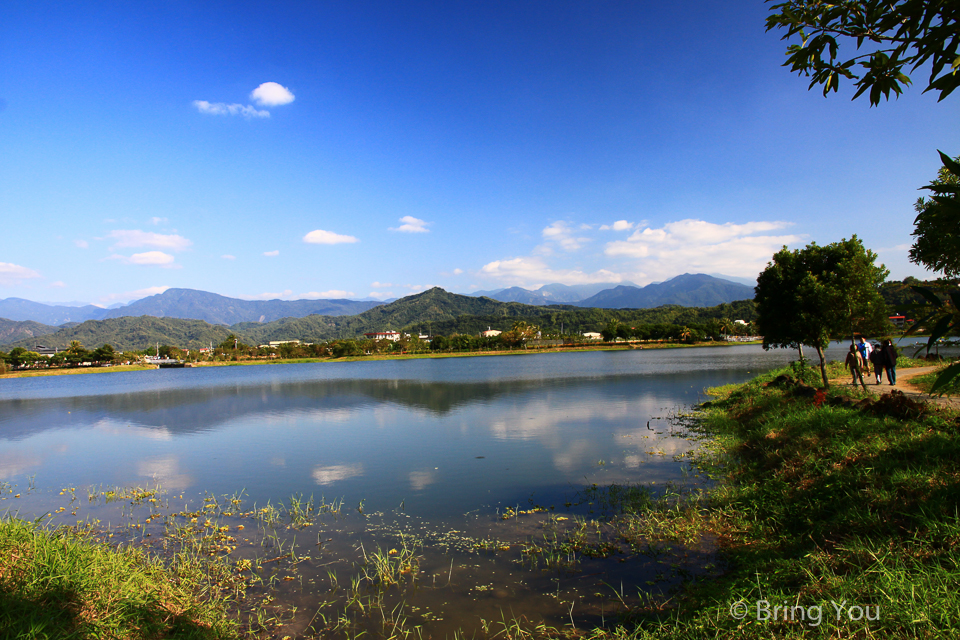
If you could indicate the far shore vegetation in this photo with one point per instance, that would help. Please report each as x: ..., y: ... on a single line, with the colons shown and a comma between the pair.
x: 522, y: 338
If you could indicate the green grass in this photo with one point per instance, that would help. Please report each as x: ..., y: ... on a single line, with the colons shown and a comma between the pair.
x: 925, y: 382
x: 826, y: 498
x: 60, y: 584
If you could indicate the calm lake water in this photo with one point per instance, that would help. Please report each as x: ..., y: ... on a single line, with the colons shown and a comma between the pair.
x: 435, y: 451
x: 444, y: 436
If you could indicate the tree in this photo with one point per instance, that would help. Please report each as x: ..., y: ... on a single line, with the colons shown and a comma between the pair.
x: 609, y: 332
x: 19, y: 357
x: 811, y: 295
x: 105, y: 353
x: 897, y: 34
x: 521, y: 332
x: 937, y: 225
x: 937, y: 247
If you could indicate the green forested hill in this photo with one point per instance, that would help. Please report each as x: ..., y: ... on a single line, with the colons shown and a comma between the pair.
x: 441, y: 313
x: 574, y: 320
x: 14, y: 330
x: 128, y: 334
x: 421, y: 311
x: 901, y: 297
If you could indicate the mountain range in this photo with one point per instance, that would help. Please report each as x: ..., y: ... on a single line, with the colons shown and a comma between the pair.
x: 686, y: 290
x: 549, y: 293
x: 434, y: 311
x: 187, y: 304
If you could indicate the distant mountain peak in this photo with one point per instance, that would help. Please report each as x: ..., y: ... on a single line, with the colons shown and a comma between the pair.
x: 688, y: 290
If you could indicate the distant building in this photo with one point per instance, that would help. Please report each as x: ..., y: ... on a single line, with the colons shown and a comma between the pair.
x: 898, y: 321
x: 490, y: 333
x: 393, y: 336
x: 592, y: 335
x: 277, y: 343
x: 45, y: 351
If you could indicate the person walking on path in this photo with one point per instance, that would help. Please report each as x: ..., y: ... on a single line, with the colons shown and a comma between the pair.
x: 876, y: 359
x: 865, y: 349
x: 890, y: 361
x: 854, y: 362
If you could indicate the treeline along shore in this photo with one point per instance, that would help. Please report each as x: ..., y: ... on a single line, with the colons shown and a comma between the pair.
x: 432, y: 322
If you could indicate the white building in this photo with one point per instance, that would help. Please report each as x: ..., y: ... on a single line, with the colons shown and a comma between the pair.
x: 393, y: 336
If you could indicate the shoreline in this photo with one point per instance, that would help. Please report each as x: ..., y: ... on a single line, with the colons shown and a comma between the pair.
x: 627, y: 346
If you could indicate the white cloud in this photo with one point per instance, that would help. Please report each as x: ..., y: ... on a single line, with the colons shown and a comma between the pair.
x: 457, y: 272
x: 13, y: 464
x: 619, y: 225
x: 561, y: 233
x: 324, y: 475
x: 693, y: 246
x: 319, y: 236
x: 137, y: 238
x: 13, y: 273
x: 271, y: 254
x: 286, y: 294
x: 227, y: 256
x: 898, y: 248
x: 380, y: 285
x: 419, y: 287
x: 158, y: 258
x: 83, y: 244
x: 412, y: 225
x: 326, y: 295
x: 527, y: 270
x: 420, y: 480
x: 271, y: 94
x: 224, y: 109
x: 133, y: 295
x: 155, y: 221
x: 59, y: 284
x: 165, y: 471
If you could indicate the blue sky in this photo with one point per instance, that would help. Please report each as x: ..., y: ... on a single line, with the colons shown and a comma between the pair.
x: 354, y: 149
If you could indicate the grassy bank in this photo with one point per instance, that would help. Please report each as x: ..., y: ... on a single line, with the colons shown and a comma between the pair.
x: 837, y: 516
x: 925, y: 382
x: 33, y: 373
x: 59, y: 584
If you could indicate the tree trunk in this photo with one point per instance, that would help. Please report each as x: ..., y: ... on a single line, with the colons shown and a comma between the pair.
x: 823, y: 367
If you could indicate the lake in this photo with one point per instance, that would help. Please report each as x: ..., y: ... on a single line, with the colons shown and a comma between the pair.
x: 450, y: 444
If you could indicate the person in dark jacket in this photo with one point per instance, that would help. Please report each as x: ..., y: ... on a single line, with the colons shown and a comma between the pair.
x: 889, y: 353
x: 876, y: 359
x: 854, y: 362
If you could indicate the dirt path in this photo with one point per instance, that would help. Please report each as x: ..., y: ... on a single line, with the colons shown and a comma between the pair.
x: 903, y: 385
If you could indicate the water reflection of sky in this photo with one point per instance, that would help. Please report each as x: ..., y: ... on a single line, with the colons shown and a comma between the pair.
x: 442, y: 436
